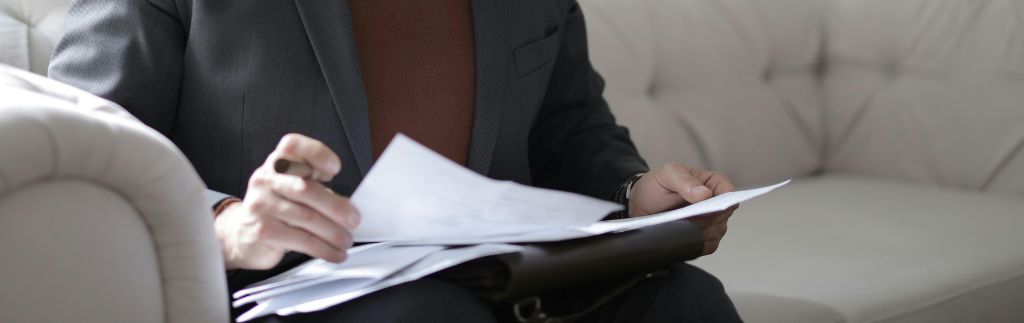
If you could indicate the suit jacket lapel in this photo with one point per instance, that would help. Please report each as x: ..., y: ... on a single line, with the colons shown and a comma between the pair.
x: 329, y: 27
x: 490, y: 23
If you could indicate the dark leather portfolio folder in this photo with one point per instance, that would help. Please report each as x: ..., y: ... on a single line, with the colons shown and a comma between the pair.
x: 550, y: 266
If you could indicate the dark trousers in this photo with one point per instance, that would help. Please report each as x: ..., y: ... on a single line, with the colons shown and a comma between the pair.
x: 684, y: 294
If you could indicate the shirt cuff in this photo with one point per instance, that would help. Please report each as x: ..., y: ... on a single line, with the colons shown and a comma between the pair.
x: 218, y: 201
x: 213, y: 198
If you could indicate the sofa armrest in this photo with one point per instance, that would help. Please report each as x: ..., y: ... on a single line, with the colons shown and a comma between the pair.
x: 55, y: 139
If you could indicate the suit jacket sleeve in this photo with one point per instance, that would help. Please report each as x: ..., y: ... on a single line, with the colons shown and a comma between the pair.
x: 575, y: 144
x: 129, y: 52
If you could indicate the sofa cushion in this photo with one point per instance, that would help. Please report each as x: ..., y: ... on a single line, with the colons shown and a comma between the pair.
x: 764, y: 308
x: 878, y: 250
x: 927, y: 90
x: 714, y: 83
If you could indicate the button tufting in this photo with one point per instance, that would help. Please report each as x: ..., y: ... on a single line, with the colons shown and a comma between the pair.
x: 892, y: 70
x: 16, y: 16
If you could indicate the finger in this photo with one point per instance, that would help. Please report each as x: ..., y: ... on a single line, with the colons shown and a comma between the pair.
x: 303, y: 217
x: 677, y: 178
x: 310, y: 150
x: 718, y: 183
x: 715, y: 232
x: 316, y: 196
x: 702, y: 222
x: 719, y: 219
x: 295, y: 239
x: 710, y: 247
x: 723, y: 216
x: 714, y: 217
x: 731, y: 210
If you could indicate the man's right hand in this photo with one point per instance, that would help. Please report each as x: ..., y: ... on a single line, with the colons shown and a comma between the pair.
x: 285, y: 212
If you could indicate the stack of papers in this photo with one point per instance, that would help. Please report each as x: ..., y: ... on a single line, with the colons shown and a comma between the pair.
x: 318, y: 284
x: 427, y: 213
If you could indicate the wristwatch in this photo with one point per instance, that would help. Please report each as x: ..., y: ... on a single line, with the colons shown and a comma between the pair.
x: 622, y: 196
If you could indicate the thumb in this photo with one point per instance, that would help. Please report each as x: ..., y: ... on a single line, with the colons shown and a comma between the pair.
x: 677, y: 178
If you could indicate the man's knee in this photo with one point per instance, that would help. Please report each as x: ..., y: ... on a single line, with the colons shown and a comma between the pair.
x: 696, y: 295
x: 431, y: 300
x: 688, y: 277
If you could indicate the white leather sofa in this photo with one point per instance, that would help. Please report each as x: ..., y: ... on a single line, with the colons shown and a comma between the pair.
x: 101, y: 218
x: 901, y: 121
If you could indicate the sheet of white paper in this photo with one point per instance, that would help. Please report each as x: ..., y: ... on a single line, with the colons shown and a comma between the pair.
x: 539, y: 235
x: 711, y: 205
x: 306, y: 271
x: 322, y: 296
x: 413, y: 193
x: 714, y: 204
x: 286, y: 301
x: 373, y: 264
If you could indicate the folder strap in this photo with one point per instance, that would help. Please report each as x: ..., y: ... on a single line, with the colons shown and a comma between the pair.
x: 531, y: 309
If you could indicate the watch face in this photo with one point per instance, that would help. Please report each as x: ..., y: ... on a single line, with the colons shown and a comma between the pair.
x: 632, y: 181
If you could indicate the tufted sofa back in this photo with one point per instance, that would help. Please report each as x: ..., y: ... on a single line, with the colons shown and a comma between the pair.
x: 927, y: 90
x: 729, y: 85
x: 29, y: 30
x: 924, y: 90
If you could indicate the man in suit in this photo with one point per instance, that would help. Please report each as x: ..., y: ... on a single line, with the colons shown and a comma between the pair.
x: 504, y: 87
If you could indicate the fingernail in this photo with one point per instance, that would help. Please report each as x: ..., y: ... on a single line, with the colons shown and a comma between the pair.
x: 699, y: 190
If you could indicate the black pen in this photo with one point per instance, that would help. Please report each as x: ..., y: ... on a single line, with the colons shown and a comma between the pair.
x: 298, y: 168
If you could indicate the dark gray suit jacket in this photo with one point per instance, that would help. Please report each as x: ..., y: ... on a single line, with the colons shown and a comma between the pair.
x: 225, y: 79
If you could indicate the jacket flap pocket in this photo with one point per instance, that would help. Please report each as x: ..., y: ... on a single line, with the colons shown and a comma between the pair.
x: 536, y: 54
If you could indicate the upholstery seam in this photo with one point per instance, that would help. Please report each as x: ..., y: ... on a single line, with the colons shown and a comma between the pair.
x: 1004, y: 162
x: 790, y: 107
x: 698, y: 141
x: 28, y: 44
x: 862, y: 108
x: 820, y: 73
x: 736, y: 26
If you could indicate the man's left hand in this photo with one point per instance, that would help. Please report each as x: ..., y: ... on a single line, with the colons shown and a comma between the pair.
x: 675, y: 185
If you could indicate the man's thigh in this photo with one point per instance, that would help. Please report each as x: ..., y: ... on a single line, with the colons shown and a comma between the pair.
x: 685, y: 294
x: 425, y: 300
